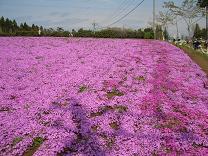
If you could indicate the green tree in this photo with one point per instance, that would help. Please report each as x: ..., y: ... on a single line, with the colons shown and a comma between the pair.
x: 164, y: 19
x: 74, y: 32
x: 21, y: 26
x: 148, y: 33
x: 188, y: 10
x: 204, y: 33
x: 159, y: 32
x: 140, y: 33
x: 203, y: 3
x: 41, y: 28
x: 2, y: 24
x: 33, y: 27
x: 60, y: 30
x: 166, y: 34
x: 197, y: 31
x: 26, y: 27
x: 14, y: 26
x: 7, y: 25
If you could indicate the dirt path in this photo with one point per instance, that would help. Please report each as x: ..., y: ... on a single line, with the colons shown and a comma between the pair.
x: 200, y: 59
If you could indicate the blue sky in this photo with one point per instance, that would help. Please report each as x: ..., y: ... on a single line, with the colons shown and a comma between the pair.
x: 79, y: 13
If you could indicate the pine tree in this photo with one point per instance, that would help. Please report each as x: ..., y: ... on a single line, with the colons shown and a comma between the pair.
x: 204, y: 33
x: 33, y: 27
x: 0, y: 29
x: 2, y: 21
x: 197, y: 31
x: 7, y: 25
x: 26, y: 27
x: 14, y: 26
x: 21, y: 26
x: 166, y: 34
x: 37, y: 27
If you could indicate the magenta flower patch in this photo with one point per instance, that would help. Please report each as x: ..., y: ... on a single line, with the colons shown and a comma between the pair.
x: 62, y: 96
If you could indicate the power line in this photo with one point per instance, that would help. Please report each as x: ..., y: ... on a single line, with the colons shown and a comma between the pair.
x: 122, y: 9
x: 125, y: 15
x: 121, y: 6
x: 122, y: 17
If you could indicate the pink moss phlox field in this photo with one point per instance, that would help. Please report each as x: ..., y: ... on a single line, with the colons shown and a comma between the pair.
x: 100, y: 97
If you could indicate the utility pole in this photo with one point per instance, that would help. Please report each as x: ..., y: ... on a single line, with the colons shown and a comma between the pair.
x: 94, y: 26
x: 123, y: 34
x: 154, y: 29
x: 177, y: 28
x: 207, y: 23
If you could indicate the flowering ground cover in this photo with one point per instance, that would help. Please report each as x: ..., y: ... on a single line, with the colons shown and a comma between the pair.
x: 100, y: 97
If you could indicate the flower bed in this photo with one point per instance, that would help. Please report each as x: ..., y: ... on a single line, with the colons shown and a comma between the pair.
x: 64, y: 96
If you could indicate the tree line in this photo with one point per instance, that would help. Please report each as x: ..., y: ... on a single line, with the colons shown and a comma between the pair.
x: 190, y: 12
x: 200, y: 33
x: 11, y: 28
x: 146, y: 33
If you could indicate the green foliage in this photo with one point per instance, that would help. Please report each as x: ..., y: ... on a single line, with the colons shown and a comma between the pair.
x: 140, y: 34
x: 203, y: 3
x: 82, y: 89
x: 104, y: 109
x: 197, y: 32
x: 166, y: 34
x: 204, y: 33
x: 11, y: 28
x: 148, y: 35
x: 111, y: 33
x: 84, y: 33
x: 7, y: 26
x: 16, y: 140
x: 37, y: 142
x: 159, y: 32
x: 188, y: 10
x: 114, y: 93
